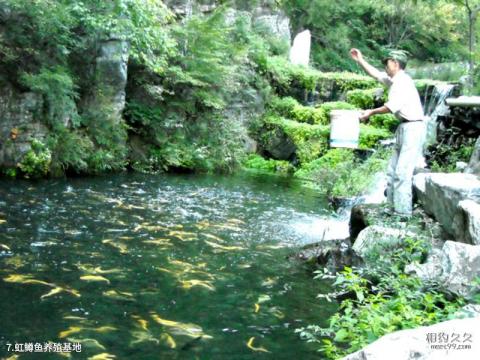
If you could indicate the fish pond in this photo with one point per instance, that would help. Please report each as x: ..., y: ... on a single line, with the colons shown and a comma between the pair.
x: 135, y: 266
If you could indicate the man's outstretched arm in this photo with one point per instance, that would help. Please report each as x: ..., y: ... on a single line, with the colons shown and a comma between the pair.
x: 369, y: 69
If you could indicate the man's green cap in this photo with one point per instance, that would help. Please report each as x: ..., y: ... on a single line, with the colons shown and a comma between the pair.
x: 399, y: 55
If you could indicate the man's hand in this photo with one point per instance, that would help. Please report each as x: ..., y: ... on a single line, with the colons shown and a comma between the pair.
x: 366, y: 114
x: 356, y: 54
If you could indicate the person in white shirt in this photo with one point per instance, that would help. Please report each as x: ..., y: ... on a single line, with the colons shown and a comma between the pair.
x: 404, y: 102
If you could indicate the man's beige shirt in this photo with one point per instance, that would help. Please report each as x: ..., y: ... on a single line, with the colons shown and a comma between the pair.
x: 403, y: 98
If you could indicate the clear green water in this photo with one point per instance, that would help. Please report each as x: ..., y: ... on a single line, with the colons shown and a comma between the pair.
x: 158, y: 267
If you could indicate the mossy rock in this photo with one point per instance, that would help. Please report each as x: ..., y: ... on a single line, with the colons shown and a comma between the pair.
x: 310, y: 141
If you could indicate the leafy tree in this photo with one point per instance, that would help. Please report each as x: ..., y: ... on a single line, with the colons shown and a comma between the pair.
x: 472, y: 8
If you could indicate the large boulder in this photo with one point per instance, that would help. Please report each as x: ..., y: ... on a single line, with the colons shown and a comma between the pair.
x: 379, y: 238
x: 443, y: 193
x: 279, y: 145
x: 419, y: 186
x: 466, y: 224
x: 448, y: 340
x: 454, y: 268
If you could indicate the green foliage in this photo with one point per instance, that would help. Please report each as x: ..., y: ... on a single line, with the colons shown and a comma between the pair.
x: 109, y: 139
x: 310, y: 140
x: 285, y: 76
x: 388, y: 122
x: 269, y: 165
x: 10, y: 172
x: 327, y: 107
x: 370, y: 136
x: 36, y: 162
x: 365, y: 99
x: 71, y: 151
x: 183, y: 114
x: 213, y: 144
x: 385, y: 300
x: 427, y: 31
x: 346, y: 81
x: 43, y: 44
x: 206, y: 69
x: 340, y: 173
x: 59, y: 91
x: 289, y: 108
x: 444, y: 157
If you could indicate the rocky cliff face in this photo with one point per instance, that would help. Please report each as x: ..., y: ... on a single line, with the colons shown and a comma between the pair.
x: 103, y: 72
x: 110, y: 78
x: 20, y: 115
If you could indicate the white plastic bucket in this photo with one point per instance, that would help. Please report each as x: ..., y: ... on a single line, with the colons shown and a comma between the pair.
x: 344, y: 128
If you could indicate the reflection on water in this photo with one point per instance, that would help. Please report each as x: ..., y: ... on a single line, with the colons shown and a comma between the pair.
x: 170, y: 267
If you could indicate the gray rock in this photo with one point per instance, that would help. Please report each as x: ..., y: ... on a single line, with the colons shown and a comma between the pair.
x: 419, y: 186
x: 379, y: 238
x: 279, y: 145
x: 454, y: 268
x: 110, y: 78
x: 21, y: 122
x: 443, y: 192
x: 468, y: 311
x: 460, y: 166
x: 466, y: 224
x: 277, y: 23
x: 422, y: 343
x: 332, y: 254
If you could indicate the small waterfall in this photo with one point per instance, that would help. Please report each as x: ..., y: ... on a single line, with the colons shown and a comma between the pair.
x: 435, y: 107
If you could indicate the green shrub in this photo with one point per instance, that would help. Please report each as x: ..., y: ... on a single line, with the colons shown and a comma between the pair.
x: 329, y: 161
x: 339, y: 173
x: 257, y: 162
x: 10, y: 172
x: 346, y: 81
x: 284, y: 76
x: 109, y: 139
x: 71, y: 150
x: 290, y: 108
x: 36, y: 162
x: 370, y: 136
x: 364, y: 98
x: 385, y: 300
x: 310, y: 140
x: 59, y: 91
x: 327, y: 107
x: 444, y: 157
x: 385, y: 121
